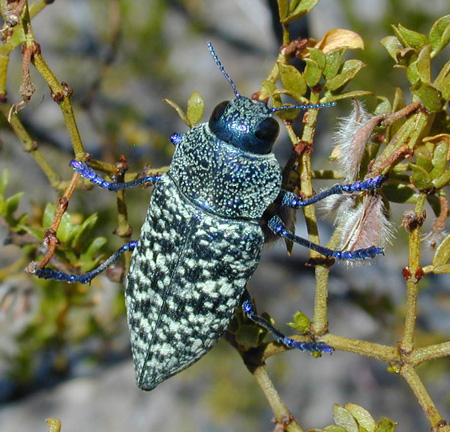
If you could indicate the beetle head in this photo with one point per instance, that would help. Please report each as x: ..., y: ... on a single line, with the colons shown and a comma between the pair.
x: 246, y: 124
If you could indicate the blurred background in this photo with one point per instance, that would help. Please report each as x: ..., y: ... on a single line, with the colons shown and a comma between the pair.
x: 121, y: 58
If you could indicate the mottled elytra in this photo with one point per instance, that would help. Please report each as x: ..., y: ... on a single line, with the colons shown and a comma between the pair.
x: 201, y: 240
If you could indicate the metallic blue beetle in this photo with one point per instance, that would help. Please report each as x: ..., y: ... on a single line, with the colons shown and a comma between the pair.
x: 202, y: 240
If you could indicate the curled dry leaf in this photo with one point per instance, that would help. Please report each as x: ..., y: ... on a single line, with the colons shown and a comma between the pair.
x: 340, y: 38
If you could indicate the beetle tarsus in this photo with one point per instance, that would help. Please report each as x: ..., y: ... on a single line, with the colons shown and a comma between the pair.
x: 359, y: 254
x: 88, y: 173
x: 176, y: 138
x: 247, y: 308
x: 46, y: 273
x: 365, y: 185
x: 291, y: 200
x: 277, y: 226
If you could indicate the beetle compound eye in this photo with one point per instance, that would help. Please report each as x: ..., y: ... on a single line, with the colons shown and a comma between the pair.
x: 218, y: 111
x: 217, y: 123
x: 266, y: 132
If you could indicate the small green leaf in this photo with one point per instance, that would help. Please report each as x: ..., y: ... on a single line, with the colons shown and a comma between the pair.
x: 399, y: 193
x: 410, y: 38
x: 439, y: 160
x: 301, y: 322
x: 439, y: 35
x: 343, y: 418
x: 423, y: 159
x: 84, y: 230
x: 433, y: 200
x: 424, y: 64
x: 420, y: 69
x: 443, y: 180
x: 334, y: 428
x: 277, y: 101
x: 393, y: 46
x: 348, y: 95
x: 431, y: 97
x: 312, y: 73
x: 318, y: 56
x: 362, y: 416
x: 8, y: 207
x: 293, y: 81
x: 297, y: 9
x: 53, y: 424
x: 420, y: 177
x: 20, y: 222
x: 334, y: 60
x: 267, y: 89
x: 442, y: 255
x: 49, y: 214
x: 90, y: 258
x: 399, y: 101
x: 4, y: 179
x: 412, y: 73
x: 195, y: 108
x: 66, y: 230
x: 283, y: 8
x: 349, y: 70
x: 385, y: 425
x: 12, y: 203
x: 248, y: 335
x: 442, y: 81
x: 37, y: 233
x: 179, y: 110
x: 383, y: 106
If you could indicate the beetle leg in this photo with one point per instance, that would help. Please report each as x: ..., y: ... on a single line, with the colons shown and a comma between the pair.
x: 291, y: 200
x: 87, y: 172
x: 277, y: 226
x: 247, y: 308
x: 46, y: 273
x: 176, y: 138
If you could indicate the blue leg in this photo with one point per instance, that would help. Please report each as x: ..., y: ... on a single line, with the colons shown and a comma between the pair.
x: 87, y: 172
x: 277, y: 226
x: 247, y: 308
x: 291, y: 200
x: 46, y: 273
x: 176, y: 138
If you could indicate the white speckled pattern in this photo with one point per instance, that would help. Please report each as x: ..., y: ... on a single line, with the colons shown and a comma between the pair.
x: 186, y: 280
x: 220, y: 177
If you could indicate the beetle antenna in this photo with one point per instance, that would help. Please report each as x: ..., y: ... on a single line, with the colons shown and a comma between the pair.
x: 304, y: 107
x: 222, y: 69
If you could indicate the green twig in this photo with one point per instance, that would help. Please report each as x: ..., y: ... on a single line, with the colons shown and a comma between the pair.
x: 422, y: 395
x: 414, y: 275
x: 61, y: 93
x: 282, y: 414
x: 432, y: 352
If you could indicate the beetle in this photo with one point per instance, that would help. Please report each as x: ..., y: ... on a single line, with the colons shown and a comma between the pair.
x: 202, y: 238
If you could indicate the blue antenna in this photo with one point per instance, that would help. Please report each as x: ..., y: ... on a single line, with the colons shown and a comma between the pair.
x: 238, y: 95
x: 222, y: 69
x: 304, y: 107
